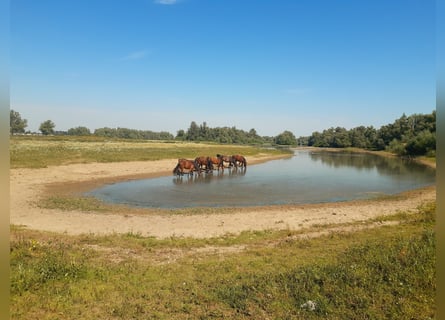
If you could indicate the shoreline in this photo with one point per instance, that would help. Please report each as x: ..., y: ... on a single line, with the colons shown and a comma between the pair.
x: 28, y: 186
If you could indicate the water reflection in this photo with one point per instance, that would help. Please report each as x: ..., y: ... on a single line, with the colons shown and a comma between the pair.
x: 208, y: 177
x: 307, y: 177
x: 384, y: 165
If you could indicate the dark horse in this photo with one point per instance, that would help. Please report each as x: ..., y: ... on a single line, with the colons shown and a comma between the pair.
x: 239, y: 160
x: 203, y: 161
x: 186, y: 166
x: 228, y: 159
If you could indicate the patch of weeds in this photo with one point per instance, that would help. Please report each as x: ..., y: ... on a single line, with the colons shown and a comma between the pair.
x: 33, y: 264
x: 379, y: 279
x: 70, y: 203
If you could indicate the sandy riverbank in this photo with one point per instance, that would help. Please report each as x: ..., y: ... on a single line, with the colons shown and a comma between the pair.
x: 27, y: 186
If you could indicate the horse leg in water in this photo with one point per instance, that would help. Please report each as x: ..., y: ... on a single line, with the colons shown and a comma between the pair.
x: 177, y: 171
x: 195, y: 166
x: 239, y: 159
x: 225, y: 159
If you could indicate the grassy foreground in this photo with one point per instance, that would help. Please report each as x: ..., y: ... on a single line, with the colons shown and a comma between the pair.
x: 382, y: 273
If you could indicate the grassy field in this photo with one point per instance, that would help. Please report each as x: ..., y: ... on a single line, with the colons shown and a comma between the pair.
x: 381, y: 273
x: 40, y: 152
x: 377, y: 273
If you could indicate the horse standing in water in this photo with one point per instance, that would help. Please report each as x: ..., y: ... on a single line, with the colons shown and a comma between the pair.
x: 204, y: 161
x: 239, y: 159
x: 216, y: 161
x: 228, y: 159
x: 186, y: 166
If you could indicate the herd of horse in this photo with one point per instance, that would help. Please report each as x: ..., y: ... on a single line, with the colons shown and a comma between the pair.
x: 208, y: 164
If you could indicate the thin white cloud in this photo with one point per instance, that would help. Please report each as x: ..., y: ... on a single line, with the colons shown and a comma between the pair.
x: 166, y: 2
x: 136, y: 55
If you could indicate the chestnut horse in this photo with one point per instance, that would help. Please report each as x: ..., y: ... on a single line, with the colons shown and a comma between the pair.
x: 228, y: 159
x: 204, y: 161
x: 239, y: 159
x: 186, y: 165
x: 216, y: 161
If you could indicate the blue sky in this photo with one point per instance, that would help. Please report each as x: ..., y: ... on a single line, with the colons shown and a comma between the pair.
x: 297, y: 65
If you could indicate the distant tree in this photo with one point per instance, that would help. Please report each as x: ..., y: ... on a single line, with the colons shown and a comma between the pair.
x: 285, y: 138
x: 358, y: 137
x: 193, y: 131
x: 105, y: 132
x: 303, y: 141
x: 408, y: 135
x: 16, y: 123
x: 163, y: 135
x: 341, y: 138
x: 397, y: 147
x: 180, y: 135
x: 47, y: 127
x: 79, y: 131
x: 423, y: 143
x: 204, y: 131
x: 252, y: 133
x: 125, y: 133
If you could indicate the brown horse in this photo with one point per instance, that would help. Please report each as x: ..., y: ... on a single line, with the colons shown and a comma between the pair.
x: 216, y: 161
x: 186, y: 166
x: 239, y: 160
x: 228, y: 159
x: 203, y: 161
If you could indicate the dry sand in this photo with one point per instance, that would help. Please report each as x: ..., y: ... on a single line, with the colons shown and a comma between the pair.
x: 27, y: 186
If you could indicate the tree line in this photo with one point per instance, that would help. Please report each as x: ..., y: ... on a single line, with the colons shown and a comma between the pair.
x: 194, y: 133
x: 232, y: 135
x: 408, y: 135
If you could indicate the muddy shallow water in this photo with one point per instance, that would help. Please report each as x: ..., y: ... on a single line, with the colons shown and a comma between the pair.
x: 307, y: 177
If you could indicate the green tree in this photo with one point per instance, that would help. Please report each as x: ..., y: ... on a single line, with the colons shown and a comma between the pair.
x: 397, y: 147
x: 180, y: 135
x: 285, y: 138
x: 47, y: 127
x: 341, y: 138
x: 204, y: 132
x: 193, y: 132
x: 16, y: 123
x: 358, y: 138
x: 79, y: 131
x: 423, y: 143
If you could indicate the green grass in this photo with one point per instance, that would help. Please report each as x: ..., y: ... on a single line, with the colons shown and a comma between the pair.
x: 382, y: 273
x: 40, y: 152
x: 68, y: 203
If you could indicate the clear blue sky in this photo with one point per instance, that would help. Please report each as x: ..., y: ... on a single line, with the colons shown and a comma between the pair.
x: 297, y: 65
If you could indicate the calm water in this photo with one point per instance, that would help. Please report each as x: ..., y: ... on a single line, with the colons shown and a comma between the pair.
x: 307, y: 177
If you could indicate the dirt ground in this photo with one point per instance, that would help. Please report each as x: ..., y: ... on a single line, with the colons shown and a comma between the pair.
x: 27, y: 186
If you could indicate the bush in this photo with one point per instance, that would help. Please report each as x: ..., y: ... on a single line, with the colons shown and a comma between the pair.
x: 423, y: 143
x: 397, y: 147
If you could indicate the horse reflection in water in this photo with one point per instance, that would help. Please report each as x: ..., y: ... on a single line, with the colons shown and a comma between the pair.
x: 210, y: 176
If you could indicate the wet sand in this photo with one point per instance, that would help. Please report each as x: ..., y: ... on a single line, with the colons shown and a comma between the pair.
x: 27, y: 186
